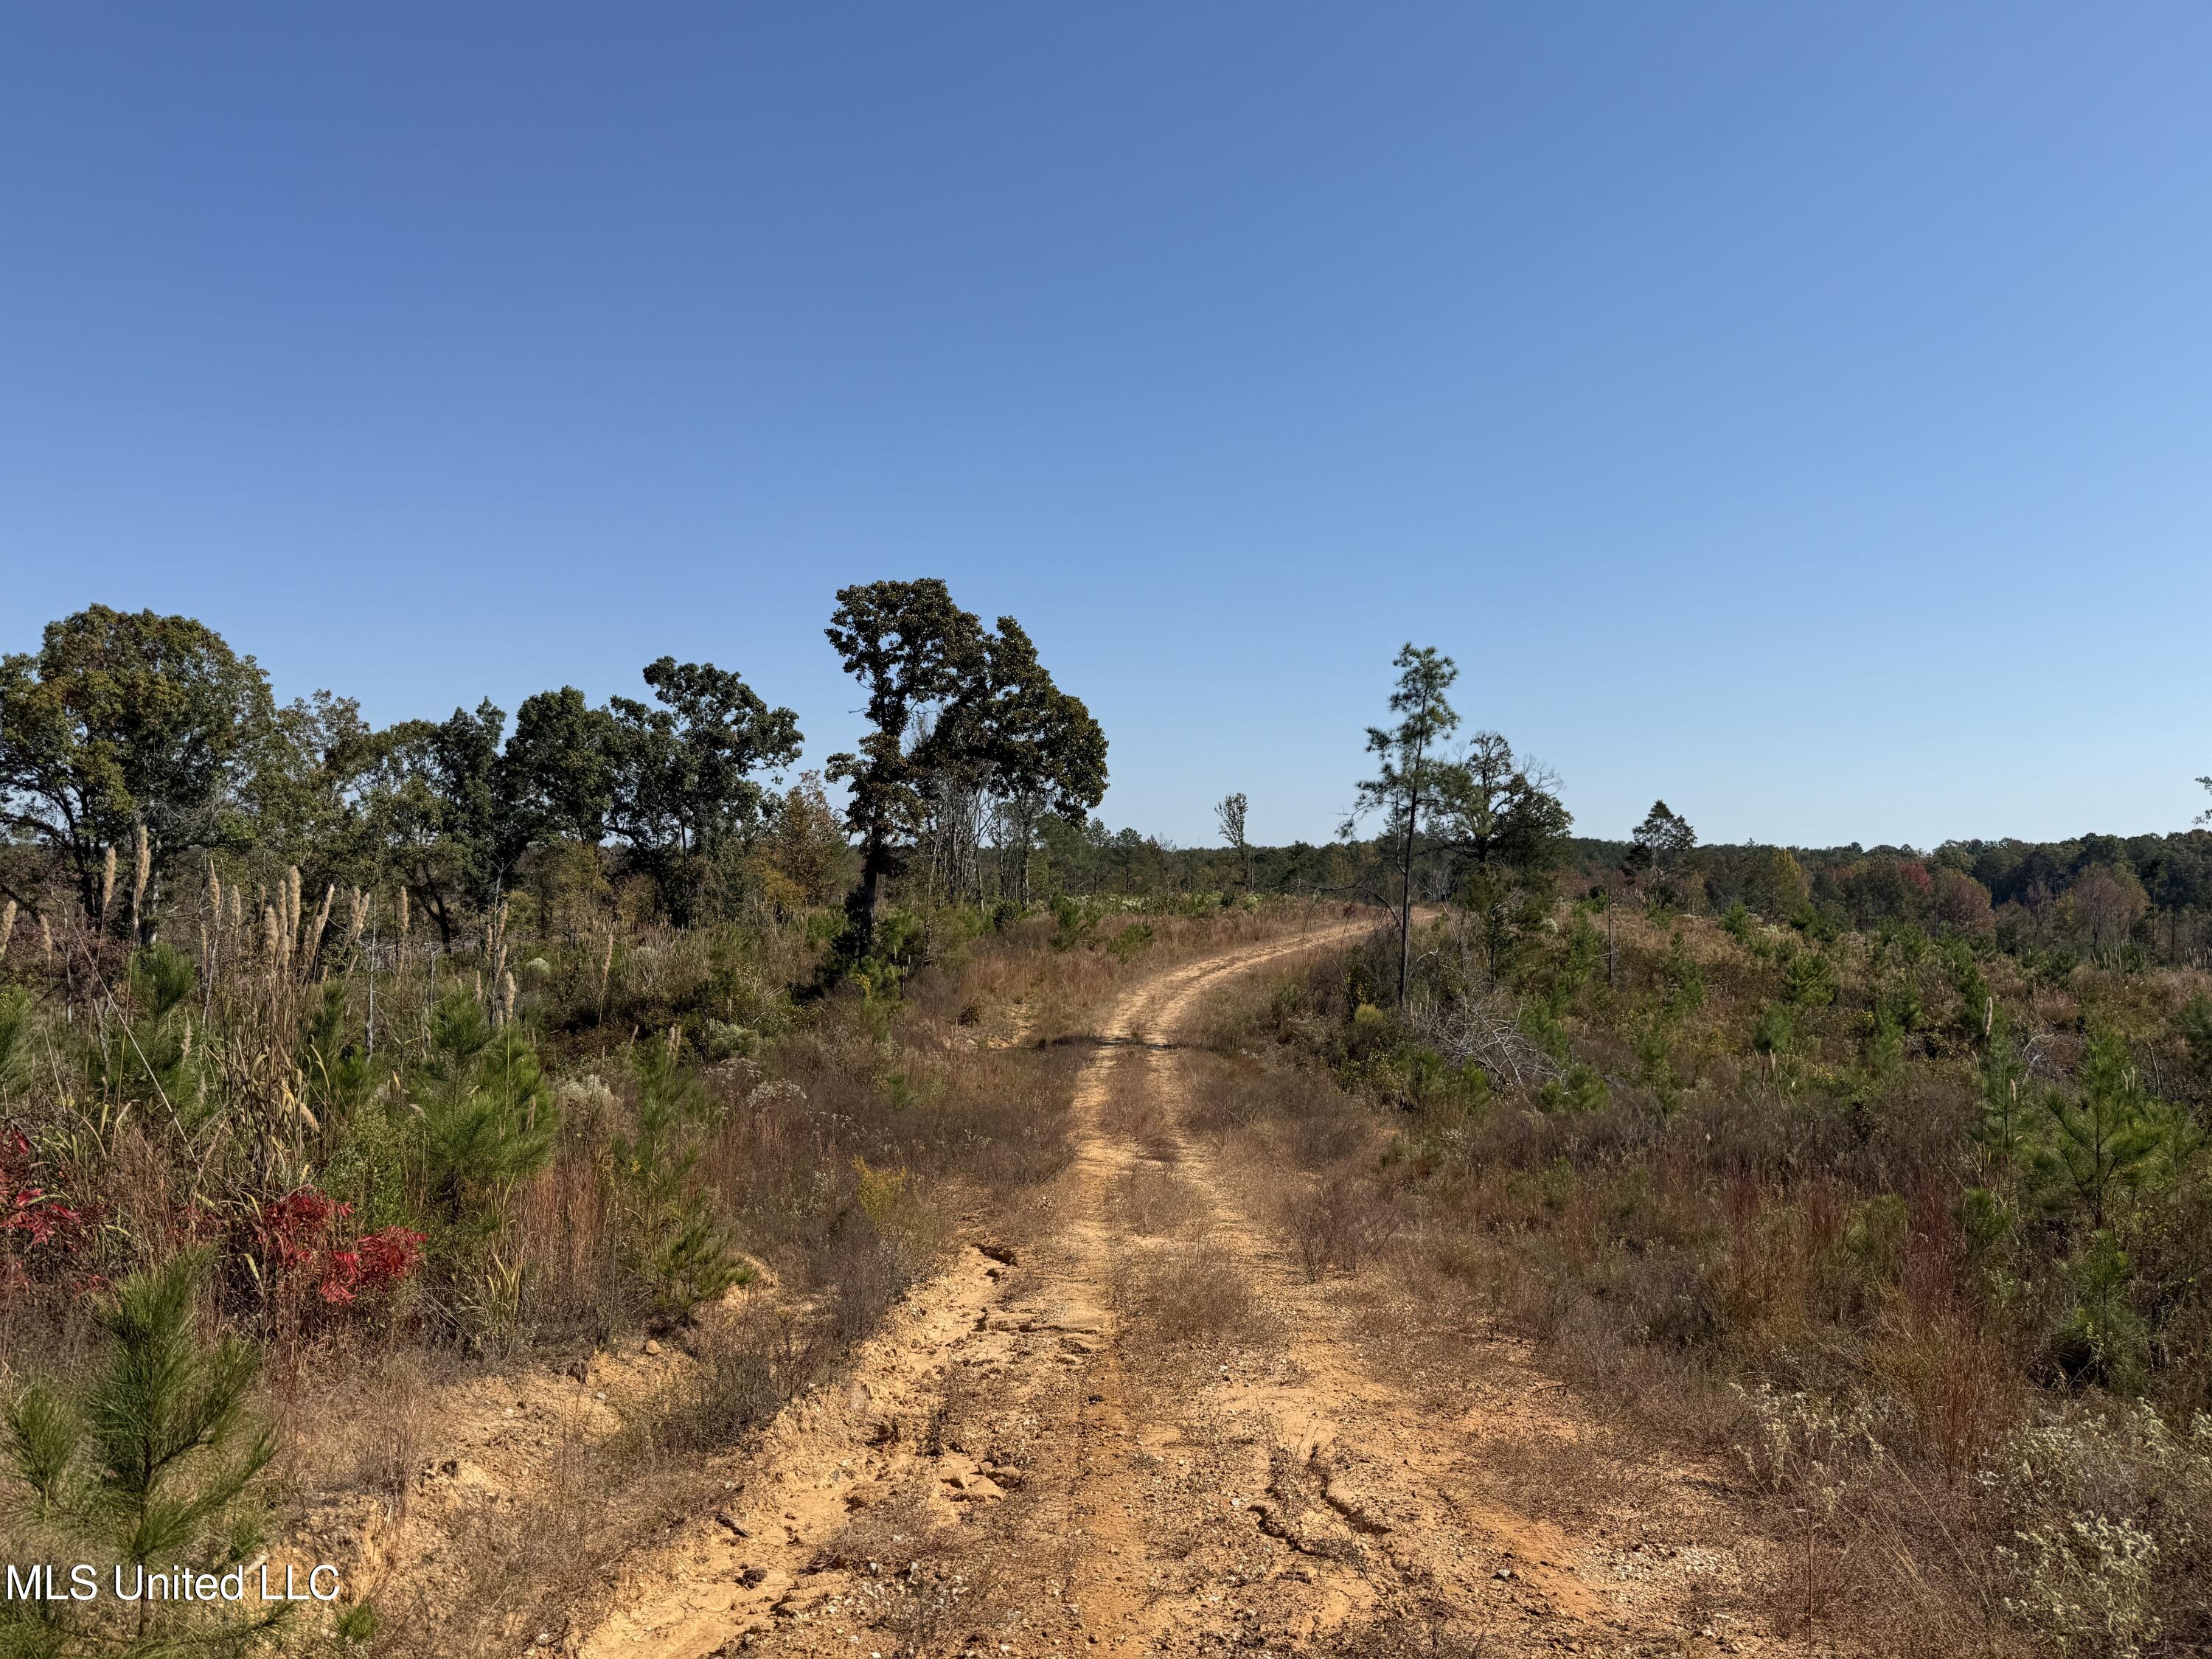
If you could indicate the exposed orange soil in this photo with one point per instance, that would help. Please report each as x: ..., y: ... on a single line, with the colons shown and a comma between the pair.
x: 1015, y: 1467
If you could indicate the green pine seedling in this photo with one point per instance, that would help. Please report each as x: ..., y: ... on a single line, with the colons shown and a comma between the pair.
x: 155, y: 1462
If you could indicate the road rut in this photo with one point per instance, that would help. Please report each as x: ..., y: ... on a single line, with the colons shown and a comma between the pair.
x: 1016, y: 1465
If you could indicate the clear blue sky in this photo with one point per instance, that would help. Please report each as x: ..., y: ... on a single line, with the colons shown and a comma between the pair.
x: 1802, y: 413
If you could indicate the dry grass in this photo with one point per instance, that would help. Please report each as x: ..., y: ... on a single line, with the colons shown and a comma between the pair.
x: 1765, y: 1262
x: 918, y: 1583
x: 745, y: 1368
x: 1181, y: 1295
x: 1157, y: 1202
x: 847, y: 1156
x: 1135, y: 1110
x: 1332, y: 1223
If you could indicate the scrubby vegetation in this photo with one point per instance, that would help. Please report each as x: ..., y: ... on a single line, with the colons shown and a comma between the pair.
x: 1903, y: 1203
x: 332, y: 1059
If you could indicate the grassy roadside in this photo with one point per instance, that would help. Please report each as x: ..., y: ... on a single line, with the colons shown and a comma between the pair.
x: 1754, y: 1199
x: 881, y: 1133
x: 577, y: 1149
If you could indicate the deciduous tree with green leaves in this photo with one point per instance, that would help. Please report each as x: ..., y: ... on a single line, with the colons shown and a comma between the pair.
x: 122, y: 719
x: 686, y: 787
x: 1500, y: 814
x: 913, y: 650
x: 439, y: 805
x: 1043, y: 754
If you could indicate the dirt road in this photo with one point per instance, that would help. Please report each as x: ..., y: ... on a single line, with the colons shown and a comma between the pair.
x: 1018, y: 1465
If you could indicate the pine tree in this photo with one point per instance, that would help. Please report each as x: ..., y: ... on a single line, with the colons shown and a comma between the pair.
x: 153, y: 1464
x: 1411, y: 773
x: 2005, y: 1108
x: 2113, y: 1137
x: 150, y: 1056
x: 1228, y: 812
x: 489, y: 1119
x: 678, y: 1245
x: 1661, y: 842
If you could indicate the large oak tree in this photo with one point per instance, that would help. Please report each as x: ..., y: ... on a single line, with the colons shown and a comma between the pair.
x: 122, y: 720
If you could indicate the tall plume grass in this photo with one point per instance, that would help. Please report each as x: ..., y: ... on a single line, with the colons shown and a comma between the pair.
x: 142, y: 871
x: 315, y: 934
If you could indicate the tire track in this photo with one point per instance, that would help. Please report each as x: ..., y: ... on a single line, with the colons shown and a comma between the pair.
x: 1013, y: 1468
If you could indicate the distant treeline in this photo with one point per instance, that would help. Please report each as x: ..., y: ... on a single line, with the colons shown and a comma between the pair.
x: 1093, y: 859
x: 2095, y: 892
x: 2091, y: 894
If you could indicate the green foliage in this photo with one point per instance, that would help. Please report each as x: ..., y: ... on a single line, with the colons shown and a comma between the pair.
x: 124, y: 718
x: 1500, y: 816
x: 2194, y: 1022
x: 2005, y: 1116
x: 1685, y: 979
x: 1775, y: 884
x: 155, y: 1462
x: 148, y: 1055
x: 951, y: 704
x: 1410, y: 762
x: 14, y: 1028
x: 1987, y: 1219
x: 1130, y: 942
x: 1898, y: 1003
x: 1655, y: 1059
x: 356, y: 1625
x: 675, y: 785
x: 489, y: 1119
x: 900, y: 945
x: 1824, y: 924
x: 2110, y: 1139
x: 1411, y: 772
x: 1074, y: 917
x: 436, y: 795
x: 371, y: 1154
x: 1585, y: 951
x: 737, y: 989
x: 1977, y: 1007
x: 671, y: 1233
x: 1412, y: 1076
x: 1539, y: 1021
x: 335, y: 1071
x: 1660, y: 846
x: 1809, y: 980
x: 1883, y: 1050
x: 1901, y: 942
x: 2103, y: 1339
x: 1775, y: 1031
x: 161, y: 980
x: 1579, y: 1089
x: 1878, y: 1234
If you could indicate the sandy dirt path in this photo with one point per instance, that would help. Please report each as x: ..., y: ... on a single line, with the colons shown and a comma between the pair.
x: 1015, y: 1465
